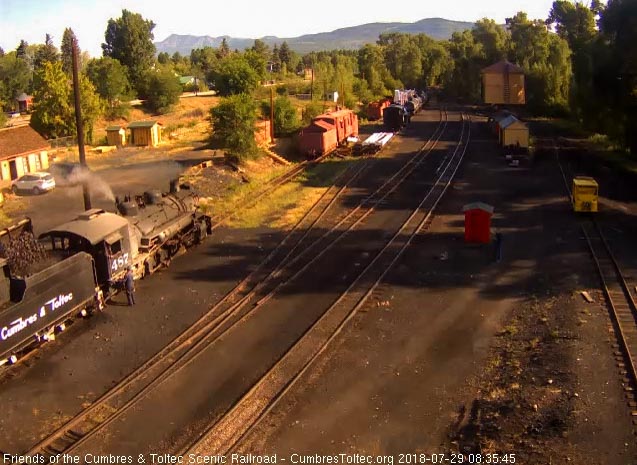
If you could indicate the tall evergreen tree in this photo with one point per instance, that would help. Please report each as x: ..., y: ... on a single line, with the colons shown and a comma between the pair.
x: 66, y: 49
x: 47, y: 53
x: 21, y: 51
x: 129, y: 39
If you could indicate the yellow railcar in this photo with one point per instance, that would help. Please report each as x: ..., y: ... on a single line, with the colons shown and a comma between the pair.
x: 585, y: 193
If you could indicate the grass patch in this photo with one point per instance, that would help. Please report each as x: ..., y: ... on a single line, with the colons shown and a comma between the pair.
x: 285, y: 206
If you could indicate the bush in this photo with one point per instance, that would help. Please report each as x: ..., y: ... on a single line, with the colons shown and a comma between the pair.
x: 119, y: 111
x: 3, y: 119
x: 162, y: 90
x: 233, y: 123
x: 286, y: 118
x: 312, y: 110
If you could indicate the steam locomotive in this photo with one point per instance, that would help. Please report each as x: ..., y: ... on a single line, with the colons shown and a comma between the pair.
x: 75, y: 267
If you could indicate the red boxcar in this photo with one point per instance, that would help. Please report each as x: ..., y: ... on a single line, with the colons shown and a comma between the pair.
x: 317, y: 139
x: 345, y: 122
x: 375, y: 109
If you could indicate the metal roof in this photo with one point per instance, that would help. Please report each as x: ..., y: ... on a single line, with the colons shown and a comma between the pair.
x: 510, y: 121
x: 585, y: 181
x: 93, y: 225
x: 478, y: 206
x: 143, y: 124
x: 114, y: 128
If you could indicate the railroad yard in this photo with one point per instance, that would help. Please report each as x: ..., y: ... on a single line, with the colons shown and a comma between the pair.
x: 368, y: 327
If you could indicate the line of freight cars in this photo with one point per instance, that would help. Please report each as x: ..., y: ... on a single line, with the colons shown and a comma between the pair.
x: 75, y: 267
x: 406, y: 104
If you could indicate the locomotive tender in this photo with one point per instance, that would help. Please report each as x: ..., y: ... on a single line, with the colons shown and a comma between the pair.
x: 92, y: 253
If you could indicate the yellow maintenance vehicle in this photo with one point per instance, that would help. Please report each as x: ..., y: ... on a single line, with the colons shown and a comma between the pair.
x: 585, y: 193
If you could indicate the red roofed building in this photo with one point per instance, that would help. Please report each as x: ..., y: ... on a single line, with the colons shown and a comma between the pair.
x: 22, y: 150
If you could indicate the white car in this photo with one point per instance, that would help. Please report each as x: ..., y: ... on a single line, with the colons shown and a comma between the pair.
x: 33, y: 182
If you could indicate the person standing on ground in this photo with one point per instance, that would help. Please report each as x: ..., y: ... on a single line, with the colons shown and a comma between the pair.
x: 498, y: 247
x: 129, y: 285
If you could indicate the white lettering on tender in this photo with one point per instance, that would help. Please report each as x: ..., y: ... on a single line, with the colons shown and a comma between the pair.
x: 21, y: 323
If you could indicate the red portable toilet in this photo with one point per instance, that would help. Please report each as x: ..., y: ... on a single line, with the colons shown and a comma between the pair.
x: 477, y: 222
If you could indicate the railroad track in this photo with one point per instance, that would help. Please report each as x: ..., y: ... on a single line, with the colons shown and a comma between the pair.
x: 619, y: 299
x: 177, y: 354
x: 273, y: 185
x: 226, y: 433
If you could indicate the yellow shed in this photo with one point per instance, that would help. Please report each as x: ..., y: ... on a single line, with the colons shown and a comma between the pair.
x: 513, y: 132
x: 116, y: 135
x: 503, y: 83
x: 145, y: 133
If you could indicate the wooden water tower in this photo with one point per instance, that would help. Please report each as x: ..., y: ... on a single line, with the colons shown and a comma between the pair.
x: 503, y: 84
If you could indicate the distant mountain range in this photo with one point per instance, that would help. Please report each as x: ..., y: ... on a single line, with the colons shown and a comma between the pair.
x: 345, y: 38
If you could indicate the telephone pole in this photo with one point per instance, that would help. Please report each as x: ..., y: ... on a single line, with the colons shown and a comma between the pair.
x: 78, y: 123
x: 272, y: 114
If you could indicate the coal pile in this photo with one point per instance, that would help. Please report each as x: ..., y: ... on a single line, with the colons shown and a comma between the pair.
x: 23, y: 254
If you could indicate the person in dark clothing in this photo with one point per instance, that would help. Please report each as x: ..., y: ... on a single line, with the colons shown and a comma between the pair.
x: 129, y: 285
x: 498, y: 247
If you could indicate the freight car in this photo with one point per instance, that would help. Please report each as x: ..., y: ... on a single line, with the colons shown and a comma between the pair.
x: 394, y: 117
x: 375, y: 109
x: 86, y: 260
x: 327, y: 131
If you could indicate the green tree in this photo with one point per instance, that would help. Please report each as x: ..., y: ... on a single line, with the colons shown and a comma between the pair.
x: 546, y: 58
x: 204, y: 58
x: 224, y: 48
x: 53, y: 110
x: 466, y: 54
x: 311, y: 111
x: 66, y: 49
x: 371, y: 64
x: 234, y: 75
x: 109, y: 78
x: 618, y: 74
x: 15, y: 78
x: 163, y: 58
x: 1, y: 52
x: 261, y: 49
x: 21, y: 51
x: 575, y: 23
x: 129, y: 39
x: 286, y: 118
x: 493, y: 39
x: 257, y: 62
x: 46, y: 53
x: 162, y: 90
x: 233, y: 123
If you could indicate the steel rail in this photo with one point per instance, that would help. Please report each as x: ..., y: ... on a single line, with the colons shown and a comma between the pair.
x: 256, y: 404
x: 67, y: 433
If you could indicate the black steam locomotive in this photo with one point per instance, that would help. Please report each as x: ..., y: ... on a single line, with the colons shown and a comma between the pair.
x: 75, y: 267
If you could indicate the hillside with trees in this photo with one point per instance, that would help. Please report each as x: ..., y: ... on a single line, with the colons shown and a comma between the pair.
x: 580, y: 63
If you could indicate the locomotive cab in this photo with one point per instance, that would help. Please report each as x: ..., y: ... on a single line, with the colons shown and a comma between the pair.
x: 105, y: 236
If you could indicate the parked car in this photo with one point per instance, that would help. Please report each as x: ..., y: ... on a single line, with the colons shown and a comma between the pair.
x: 33, y: 182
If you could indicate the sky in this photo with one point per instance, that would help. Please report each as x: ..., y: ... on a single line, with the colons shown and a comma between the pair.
x: 32, y: 19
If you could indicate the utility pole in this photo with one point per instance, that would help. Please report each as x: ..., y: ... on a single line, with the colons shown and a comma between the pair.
x: 78, y: 123
x: 272, y: 114
x: 312, y: 85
